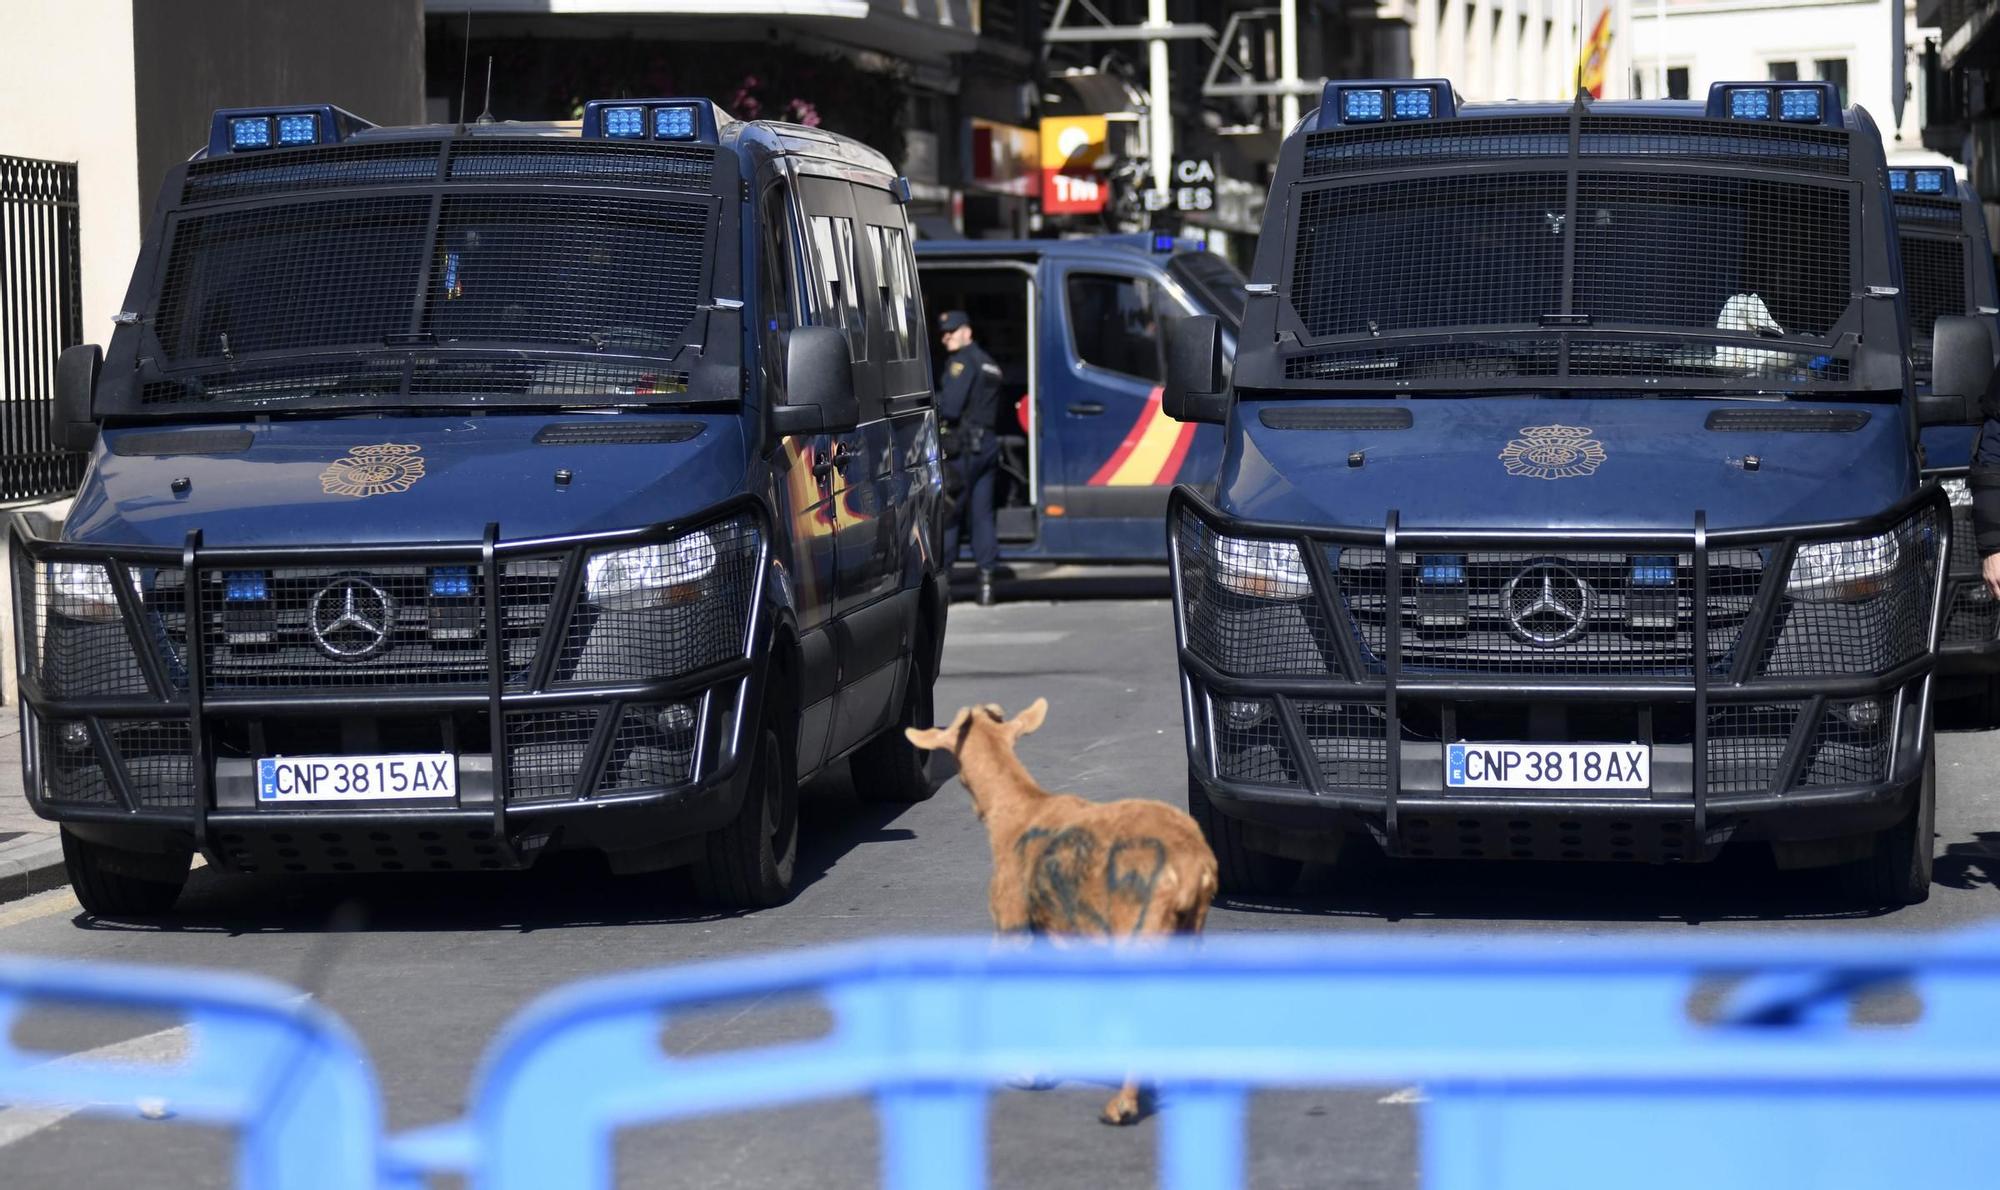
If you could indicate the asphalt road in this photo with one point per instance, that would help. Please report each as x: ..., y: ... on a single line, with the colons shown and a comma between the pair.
x: 427, y: 968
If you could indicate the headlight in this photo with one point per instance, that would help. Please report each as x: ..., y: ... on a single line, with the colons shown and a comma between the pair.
x: 1263, y: 569
x: 82, y: 591
x: 1844, y: 570
x: 651, y: 575
x: 1958, y: 492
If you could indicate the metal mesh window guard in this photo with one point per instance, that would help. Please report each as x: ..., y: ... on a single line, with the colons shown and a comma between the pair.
x: 1348, y: 150
x: 1933, y: 285
x: 677, y: 167
x: 315, y: 169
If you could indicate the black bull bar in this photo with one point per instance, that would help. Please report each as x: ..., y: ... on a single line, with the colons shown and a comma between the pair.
x: 1377, y: 670
x: 175, y: 688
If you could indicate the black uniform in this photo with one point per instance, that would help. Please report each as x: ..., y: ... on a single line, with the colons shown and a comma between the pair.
x: 967, y: 406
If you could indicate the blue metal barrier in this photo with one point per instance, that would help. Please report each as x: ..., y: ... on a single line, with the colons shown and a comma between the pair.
x: 259, y: 1058
x: 1544, y: 1064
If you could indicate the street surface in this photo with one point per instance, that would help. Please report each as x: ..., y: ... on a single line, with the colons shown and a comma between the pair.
x: 426, y: 969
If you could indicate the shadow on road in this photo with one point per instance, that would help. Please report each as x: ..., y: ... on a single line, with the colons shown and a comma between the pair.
x: 1736, y: 887
x: 1971, y: 865
x: 562, y: 890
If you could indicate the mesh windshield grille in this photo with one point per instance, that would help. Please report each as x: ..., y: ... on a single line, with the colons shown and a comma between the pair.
x: 1500, y: 357
x: 679, y: 167
x: 310, y: 169
x: 604, y: 272
x: 1683, y: 251
x: 1747, y: 256
x: 499, y: 376
x: 1347, y: 150
x: 296, y: 277
x: 1933, y: 285
x: 1927, y: 210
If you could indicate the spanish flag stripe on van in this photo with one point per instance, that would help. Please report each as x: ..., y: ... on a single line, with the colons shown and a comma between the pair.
x: 1151, y: 453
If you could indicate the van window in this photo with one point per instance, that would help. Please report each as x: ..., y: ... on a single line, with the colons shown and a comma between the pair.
x: 1114, y: 324
x: 840, y: 280
x: 895, y: 275
x: 777, y: 310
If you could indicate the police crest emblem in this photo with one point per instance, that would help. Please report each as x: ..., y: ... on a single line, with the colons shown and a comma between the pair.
x: 1553, y: 452
x: 373, y: 471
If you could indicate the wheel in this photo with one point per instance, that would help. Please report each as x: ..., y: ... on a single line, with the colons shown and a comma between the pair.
x: 748, y: 863
x: 109, y: 882
x: 1239, y: 869
x: 889, y: 768
x: 1899, y: 870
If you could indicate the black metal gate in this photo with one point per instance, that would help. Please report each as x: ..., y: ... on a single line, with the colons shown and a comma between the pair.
x: 41, y: 312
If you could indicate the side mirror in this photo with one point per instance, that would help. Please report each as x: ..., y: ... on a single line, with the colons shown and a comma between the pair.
x: 819, y: 384
x: 70, y: 426
x: 1195, y: 390
x: 1961, y: 368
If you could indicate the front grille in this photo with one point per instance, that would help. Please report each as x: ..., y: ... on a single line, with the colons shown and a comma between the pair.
x: 1933, y: 286
x: 1569, y: 614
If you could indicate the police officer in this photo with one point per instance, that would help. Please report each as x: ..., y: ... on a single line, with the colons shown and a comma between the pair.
x: 967, y: 405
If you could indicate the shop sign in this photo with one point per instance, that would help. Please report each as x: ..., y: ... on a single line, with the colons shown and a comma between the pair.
x: 1005, y: 158
x: 1071, y: 149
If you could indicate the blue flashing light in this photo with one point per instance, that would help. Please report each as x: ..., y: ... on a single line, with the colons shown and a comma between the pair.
x: 250, y: 132
x: 1801, y: 105
x: 1653, y: 572
x: 1750, y: 103
x: 451, y: 582
x: 675, y: 123
x: 1928, y: 181
x: 299, y: 128
x: 245, y: 586
x: 1899, y: 180
x: 1163, y: 241
x: 1414, y: 103
x: 1363, y: 105
x: 625, y: 123
x: 1442, y: 570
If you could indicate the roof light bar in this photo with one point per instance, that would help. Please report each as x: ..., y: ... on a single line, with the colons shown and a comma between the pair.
x: 250, y: 130
x: 1932, y: 181
x: 1785, y: 103
x: 650, y: 119
x: 1377, y: 101
x: 1899, y: 180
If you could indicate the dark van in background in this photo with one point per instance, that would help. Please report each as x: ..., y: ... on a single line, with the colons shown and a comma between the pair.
x: 1570, y: 503
x: 458, y: 494
x: 1087, y: 455
x: 1948, y: 269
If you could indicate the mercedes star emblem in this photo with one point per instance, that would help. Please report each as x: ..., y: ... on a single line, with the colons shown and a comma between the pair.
x: 351, y: 619
x: 1547, y: 604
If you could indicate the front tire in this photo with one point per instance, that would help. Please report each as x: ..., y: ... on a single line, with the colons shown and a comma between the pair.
x: 748, y: 864
x: 1898, y: 872
x: 889, y: 769
x: 109, y: 882
x: 1238, y: 868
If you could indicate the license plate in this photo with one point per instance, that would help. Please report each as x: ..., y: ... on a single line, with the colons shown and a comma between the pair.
x: 1548, y: 766
x: 428, y: 775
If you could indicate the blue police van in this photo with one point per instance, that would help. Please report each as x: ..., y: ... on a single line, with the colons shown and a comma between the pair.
x: 458, y: 494
x: 1570, y: 505
x: 1948, y: 269
x: 1087, y: 455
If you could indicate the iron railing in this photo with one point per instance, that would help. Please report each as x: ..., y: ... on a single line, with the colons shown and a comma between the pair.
x: 41, y: 313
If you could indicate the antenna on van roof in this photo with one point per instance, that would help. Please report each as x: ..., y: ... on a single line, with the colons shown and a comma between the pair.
x: 464, y: 67
x: 486, y: 112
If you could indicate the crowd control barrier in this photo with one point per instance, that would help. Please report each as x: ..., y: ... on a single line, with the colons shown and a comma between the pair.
x: 1544, y: 1063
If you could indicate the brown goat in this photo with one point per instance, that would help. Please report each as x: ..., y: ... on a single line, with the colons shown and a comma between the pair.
x: 1066, y: 867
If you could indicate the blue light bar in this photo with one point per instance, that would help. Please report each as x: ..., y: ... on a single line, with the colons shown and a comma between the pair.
x: 1163, y: 241
x: 1750, y: 103
x: 1899, y: 180
x: 250, y: 132
x: 1414, y: 103
x: 298, y: 128
x: 1653, y: 572
x: 675, y: 122
x: 1361, y: 106
x: 1801, y: 105
x: 245, y: 586
x: 1442, y: 570
x: 451, y: 582
x: 625, y: 123
x: 1928, y: 181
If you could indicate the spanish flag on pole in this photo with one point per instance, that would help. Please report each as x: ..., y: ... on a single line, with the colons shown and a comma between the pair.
x: 1595, y: 63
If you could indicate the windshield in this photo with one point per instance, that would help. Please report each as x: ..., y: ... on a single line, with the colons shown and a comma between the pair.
x: 1213, y: 282
x: 433, y: 292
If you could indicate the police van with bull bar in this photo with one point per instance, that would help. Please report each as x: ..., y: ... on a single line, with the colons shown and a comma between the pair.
x: 459, y: 494
x: 1570, y: 506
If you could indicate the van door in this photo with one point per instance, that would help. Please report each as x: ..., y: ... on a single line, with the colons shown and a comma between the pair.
x: 1000, y: 298
x: 1114, y: 453
x: 868, y: 630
